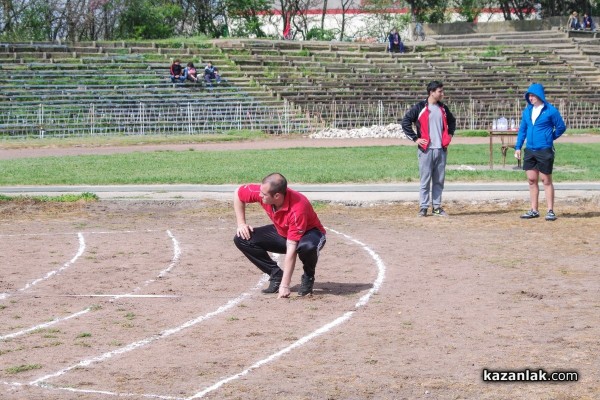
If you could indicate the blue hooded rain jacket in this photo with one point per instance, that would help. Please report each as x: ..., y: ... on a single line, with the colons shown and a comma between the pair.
x: 548, y: 126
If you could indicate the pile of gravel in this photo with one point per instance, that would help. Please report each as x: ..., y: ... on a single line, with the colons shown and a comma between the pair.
x: 375, y: 131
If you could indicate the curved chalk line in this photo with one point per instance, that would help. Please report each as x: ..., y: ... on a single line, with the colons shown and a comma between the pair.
x: 363, y: 300
x: 326, y: 328
x: 140, y: 343
x: 173, y: 263
x: 52, y: 273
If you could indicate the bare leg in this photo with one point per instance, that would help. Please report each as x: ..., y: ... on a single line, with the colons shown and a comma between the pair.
x: 534, y: 190
x: 548, y: 190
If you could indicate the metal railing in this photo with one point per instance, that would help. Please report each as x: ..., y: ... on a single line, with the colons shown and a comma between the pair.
x: 190, y: 118
x: 471, y: 115
x: 146, y: 119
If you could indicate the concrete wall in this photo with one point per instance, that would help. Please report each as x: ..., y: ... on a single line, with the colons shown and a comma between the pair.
x: 461, y: 28
x: 358, y: 24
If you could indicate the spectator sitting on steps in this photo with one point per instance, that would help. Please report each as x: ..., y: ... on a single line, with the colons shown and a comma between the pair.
x: 211, y: 72
x: 395, y: 44
x: 177, y: 73
x: 587, y: 23
x: 191, y: 73
x: 573, y: 22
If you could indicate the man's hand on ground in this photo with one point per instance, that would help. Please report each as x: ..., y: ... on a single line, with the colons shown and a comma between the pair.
x: 284, y: 292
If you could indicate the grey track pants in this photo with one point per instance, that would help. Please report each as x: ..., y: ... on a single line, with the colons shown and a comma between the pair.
x: 432, y: 169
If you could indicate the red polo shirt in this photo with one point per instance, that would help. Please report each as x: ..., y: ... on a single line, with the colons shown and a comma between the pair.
x: 295, y: 217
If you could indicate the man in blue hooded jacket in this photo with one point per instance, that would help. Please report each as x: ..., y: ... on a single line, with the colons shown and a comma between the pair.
x: 541, y: 125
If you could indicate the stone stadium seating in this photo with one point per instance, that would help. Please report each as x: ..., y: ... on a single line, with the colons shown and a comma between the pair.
x: 485, y: 75
x: 53, y: 89
x: 290, y: 85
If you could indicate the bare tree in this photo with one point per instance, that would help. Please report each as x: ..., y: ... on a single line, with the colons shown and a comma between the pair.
x: 379, y: 21
x: 287, y: 9
x: 11, y: 14
x: 6, y: 16
x: 346, y: 5
x: 518, y: 7
x: 323, y: 14
x: 209, y: 16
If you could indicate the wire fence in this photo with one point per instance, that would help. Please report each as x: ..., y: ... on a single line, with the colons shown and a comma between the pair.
x: 472, y: 115
x: 192, y: 119
x: 147, y: 119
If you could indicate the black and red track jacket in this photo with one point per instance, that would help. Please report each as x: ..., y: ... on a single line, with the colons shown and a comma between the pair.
x: 419, y: 115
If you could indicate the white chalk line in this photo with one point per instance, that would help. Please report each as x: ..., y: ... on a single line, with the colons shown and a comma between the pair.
x: 109, y: 393
x: 324, y: 329
x: 55, y: 272
x: 161, y: 274
x: 140, y: 343
x: 47, y: 324
x: 275, y: 356
x: 174, y: 261
x: 132, y: 346
x: 92, y: 391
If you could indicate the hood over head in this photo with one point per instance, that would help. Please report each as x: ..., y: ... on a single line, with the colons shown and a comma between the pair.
x: 536, y: 89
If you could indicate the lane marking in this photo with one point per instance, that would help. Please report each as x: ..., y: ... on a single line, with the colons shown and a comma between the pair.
x: 363, y: 300
x: 274, y: 356
x: 324, y: 329
x: 174, y: 261
x: 140, y: 343
x: 47, y: 324
x: 109, y: 393
x: 161, y: 274
x: 92, y: 391
x: 55, y: 272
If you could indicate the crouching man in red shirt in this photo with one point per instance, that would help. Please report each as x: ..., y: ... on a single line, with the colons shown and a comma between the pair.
x: 296, y: 230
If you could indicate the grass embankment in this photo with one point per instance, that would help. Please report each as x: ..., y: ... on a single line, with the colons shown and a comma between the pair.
x: 301, y: 165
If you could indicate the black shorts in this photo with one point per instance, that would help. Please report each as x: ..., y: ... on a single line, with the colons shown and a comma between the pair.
x: 541, y: 160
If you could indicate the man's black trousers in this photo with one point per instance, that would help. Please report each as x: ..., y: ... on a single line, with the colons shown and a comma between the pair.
x: 266, y: 239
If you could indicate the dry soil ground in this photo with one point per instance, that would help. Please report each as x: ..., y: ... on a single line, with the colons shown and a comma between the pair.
x: 150, y: 299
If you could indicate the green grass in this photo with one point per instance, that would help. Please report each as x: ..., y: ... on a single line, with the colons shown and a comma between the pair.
x: 63, y: 198
x: 22, y: 368
x: 474, y: 133
x: 492, y: 51
x: 574, y: 162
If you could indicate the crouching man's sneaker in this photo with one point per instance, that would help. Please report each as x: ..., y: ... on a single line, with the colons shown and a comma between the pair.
x: 550, y: 216
x: 306, y: 287
x: 422, y: 212
x: 530, y: 214
x: 273, y: 287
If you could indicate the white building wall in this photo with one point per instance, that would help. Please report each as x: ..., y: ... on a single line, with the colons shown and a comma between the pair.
x: 360, y: 26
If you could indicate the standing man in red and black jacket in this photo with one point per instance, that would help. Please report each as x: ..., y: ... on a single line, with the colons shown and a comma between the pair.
x: 435, y: 127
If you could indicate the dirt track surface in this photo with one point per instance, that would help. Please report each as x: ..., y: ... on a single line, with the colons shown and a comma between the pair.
x: 446, y: 298
x: 279, y: 142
